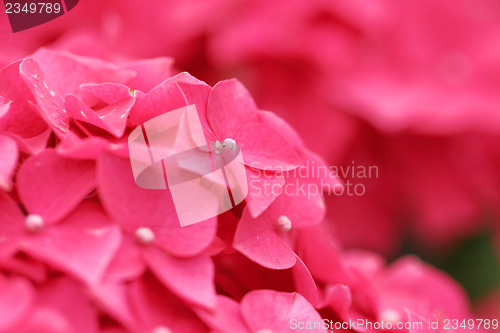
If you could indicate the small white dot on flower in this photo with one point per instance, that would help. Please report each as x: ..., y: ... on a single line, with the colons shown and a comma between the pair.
x: 34, y: 223
x: 161, y: 329
x: 144, y: 235
x: 283, y: 224
x: 229, y: 143
x: 390, y: 316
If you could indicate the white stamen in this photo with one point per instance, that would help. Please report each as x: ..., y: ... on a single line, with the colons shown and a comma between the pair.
x: 161, y: 329
x: 144, y: 235
x: 229, y: 143
x: 34, y: 223
x: 283, y: 224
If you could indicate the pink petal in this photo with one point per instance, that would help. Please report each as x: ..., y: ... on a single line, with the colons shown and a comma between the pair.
x: 83, y: 244
x: 257, y: 239
x: 189, y: 278
x: 149, y: 72
x: 127, y: 264
x: 8, y: 161
x: 51, y: 185
x: 27, y: 267
x: 229, y: 106
x: 4, y: 106
x: 282, y: 127
x: 17, y: 296
x: 62, y: 306
x: 51, y: 107
x: 112, y: 118
x: 134, y: 207
x: 65, y: 72
x: 226, y: 318
x: 304, y: 282
x: 269, y: 309
x: 88, y: 148
x: 163, y: 98
x: 263, y: 188
x: 109, y: 93
x: 197, y: 93
x: 264, y: 148
x: 22, y: 117
x: 156, y: 307
x: 11, y: 226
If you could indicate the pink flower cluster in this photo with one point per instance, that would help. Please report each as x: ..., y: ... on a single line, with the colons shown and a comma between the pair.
x: 84, y: 249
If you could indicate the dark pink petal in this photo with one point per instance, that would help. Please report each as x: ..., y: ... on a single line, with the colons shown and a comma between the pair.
x: 189, y: 278
x: 22, y: 117
x: 272, y: 310
x: 264, y: 148
x: 163, y: 98
x: 263, y: 188
x: 8, y: 161
x: 258, y: 240
x: 16, y: 299
x: 51, y: 107
x: 226, y: 318
x: 62, y: 306
x: 149, y: 72
x: 134, y: 208
x: 158, y: 309
x: 51, y: 185
x: 112, y: 118
x: 83, y: 244
x: 27, y: 267
x: 11, y: 226
x: 230, y: 105
x: 304, y: 282
x: 65, y: 72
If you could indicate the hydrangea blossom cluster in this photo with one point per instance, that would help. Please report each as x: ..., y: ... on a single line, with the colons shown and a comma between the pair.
x: 84, y: 249
x: 353, y: 79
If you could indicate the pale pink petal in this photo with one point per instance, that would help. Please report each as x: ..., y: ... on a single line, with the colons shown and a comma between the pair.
x: 17, y: 296
x: 226, y: 318
x: 282, y: 127
x: 8, y: 161
x: 263, y: 188
x: 83, y: 244
x: 51, y: 185
x: 272, y: 310
x: 258, y: 240
x: 229, y: 107
x: 264, y: 148
x: 149, y: 72
x: 189, y: 278
x: 4, y: 106
x: 133, y: 208
x: 109, y: 93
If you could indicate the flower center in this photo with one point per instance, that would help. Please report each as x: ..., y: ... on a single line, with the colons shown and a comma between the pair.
x: 34, y: 223
x: 227, y: 144
x: 283, y: 224
x: 144, y: 235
